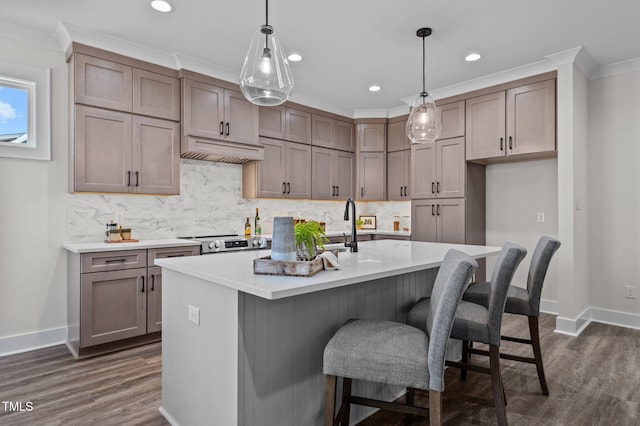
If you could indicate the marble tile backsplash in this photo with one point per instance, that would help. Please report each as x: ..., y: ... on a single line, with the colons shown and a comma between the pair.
x: 210, y: 202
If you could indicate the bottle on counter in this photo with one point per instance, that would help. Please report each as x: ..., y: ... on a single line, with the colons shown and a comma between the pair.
x: 247, y: 228
x: 257, y: 230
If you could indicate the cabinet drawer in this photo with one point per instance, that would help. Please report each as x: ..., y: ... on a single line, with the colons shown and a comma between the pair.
x: 113, y: 260
x: 161, y: 253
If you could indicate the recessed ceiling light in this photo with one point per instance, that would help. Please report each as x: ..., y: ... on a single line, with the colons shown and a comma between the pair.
x: 294, y: 57
x: 375, y: 88
x: 472, y: 57
x: 161, y: 6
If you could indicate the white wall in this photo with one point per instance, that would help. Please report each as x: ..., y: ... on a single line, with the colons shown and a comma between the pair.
x: 614, y: 172
x: 33, y: 217
x: 516, y: 193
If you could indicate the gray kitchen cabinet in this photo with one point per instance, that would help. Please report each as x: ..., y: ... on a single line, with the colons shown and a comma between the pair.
x: 519, y: 122
x: 285, y: 123
x: 452, y: 117
x: 372, y: 137
x: 112, y: 85
x: 332, y: 174
x: 114, y: 298
x: 285, y: 171
x: 120, y: 152
x: 439, y: 221
x: 332, y: 133
x: 219, y: 113
x: 438, y: 169
x: 397, y: 139
x: 372, y: 176
x: 398, y: 175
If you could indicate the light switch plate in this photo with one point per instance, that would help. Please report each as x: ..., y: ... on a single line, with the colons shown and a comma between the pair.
x: 540, y: 217
x: 194, y: 315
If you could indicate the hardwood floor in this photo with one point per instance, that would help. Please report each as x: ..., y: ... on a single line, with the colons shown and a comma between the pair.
x: 593, y: 380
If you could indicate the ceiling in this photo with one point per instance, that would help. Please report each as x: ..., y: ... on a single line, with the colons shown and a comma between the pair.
x: 348, y: 45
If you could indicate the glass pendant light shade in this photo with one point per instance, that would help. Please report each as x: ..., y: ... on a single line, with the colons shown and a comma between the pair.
x: 423, y: 125
x: 266, y: 78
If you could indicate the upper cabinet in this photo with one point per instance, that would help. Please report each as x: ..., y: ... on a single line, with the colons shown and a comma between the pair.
x: 519, y: 121
x: 397, y: 139
x: 438, y: 169
x: 286, y: 123
x: 126, y: 116
x: 372, y: 137
x: 371, y: 160
x: 452, y: 118
x: 219, y: 113
x: 112, y: 85
x: 331, y: 133
x: 332, y: 174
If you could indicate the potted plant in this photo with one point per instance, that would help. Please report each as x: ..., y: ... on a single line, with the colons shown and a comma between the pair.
x: 309, y: 237
x: 359, y: 223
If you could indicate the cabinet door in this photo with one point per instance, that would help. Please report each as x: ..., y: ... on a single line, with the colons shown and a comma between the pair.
x: 423, y: 170
x: 113, y: 306
x: 397, y: 137
x: 298, y: 170
x: 371, y: 137
x: 270, y: 171
x: 103, y: 147
x: 156, y: 95
x: 298, y: 126
x: 156, y: 156
x: 485, y: 126
x: 272, y: 122
x: 344, y: 174
x: 343, y: 137
x: 322, y: 131
x: 450, y: 221
x: 397, y: 175
x: 154, y: 299
x: 372, y: 176
x: 241, y: 118
x: 452, y: 119
x: 322, y: 169
x: 203, y: 110
x: 102, y: 83
x: 531, y: 118
x: 423, y: 220
x: 451, y: 168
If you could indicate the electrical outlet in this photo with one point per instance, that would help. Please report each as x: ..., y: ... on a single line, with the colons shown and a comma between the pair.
x: 194, y: 315
x: 540, y: 217
x: 630, y: 292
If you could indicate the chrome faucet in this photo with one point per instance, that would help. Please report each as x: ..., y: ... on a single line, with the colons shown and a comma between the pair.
x: 354, y: 238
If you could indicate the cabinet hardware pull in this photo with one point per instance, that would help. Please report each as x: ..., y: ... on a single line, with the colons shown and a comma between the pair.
x: 401, y: 191
x: 405, y: 192
x: 153, y: 283
x: 433, y: 187
x: 333, y: 190
x: 221, y: 128
x: 510, y: 142
x: 129, y: 178
x: 137, y: 178
x: 438, y: 210
x: 501, y: 142
x: 143, y: 284
x: 288, y: 187
x: 362, y: 191
x: 115, y: 260
x: 175, y: 255
x: 228, y: 129
x: 433, y: 213
x: 284, y: 188
x: 438, y: 187
x: 337, y: 191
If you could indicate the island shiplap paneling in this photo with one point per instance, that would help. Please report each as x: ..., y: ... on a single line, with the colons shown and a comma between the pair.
x: 281, y: 344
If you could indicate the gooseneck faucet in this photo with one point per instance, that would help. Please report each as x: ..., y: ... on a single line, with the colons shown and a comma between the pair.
x: 354, y: 238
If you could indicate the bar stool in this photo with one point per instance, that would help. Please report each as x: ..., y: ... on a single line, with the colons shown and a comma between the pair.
x: 395, y: 353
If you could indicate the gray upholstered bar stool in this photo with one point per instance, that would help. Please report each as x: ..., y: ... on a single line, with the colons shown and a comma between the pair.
x: 477, y: 323
x: 523, y: 301
x: 395, y: 353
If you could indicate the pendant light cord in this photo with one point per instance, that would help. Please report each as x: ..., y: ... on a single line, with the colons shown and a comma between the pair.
x: 424, y: 78
x: 266, y: 34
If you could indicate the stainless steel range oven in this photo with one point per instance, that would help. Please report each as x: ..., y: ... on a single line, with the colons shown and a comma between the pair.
x: 210, y: 244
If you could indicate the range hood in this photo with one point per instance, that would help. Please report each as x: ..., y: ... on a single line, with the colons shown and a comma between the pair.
x: 224, y: 152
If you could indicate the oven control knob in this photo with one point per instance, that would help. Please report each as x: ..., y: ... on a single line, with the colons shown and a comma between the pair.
x: 255, y: 242
x: 215, y: 245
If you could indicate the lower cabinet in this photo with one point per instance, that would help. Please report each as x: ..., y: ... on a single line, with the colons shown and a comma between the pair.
x: 114, y: 298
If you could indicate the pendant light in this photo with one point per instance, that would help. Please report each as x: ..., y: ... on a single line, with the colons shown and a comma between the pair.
x: 266, y: 78
x: 423, y: 125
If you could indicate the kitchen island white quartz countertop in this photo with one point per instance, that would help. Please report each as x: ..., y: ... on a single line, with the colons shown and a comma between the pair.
x: 245, y: 349
x: 374, y: 260
x: 97, y: 246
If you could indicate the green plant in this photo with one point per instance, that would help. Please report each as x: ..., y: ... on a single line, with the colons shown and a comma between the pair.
x: 309, y: 235
x: 359, y: 222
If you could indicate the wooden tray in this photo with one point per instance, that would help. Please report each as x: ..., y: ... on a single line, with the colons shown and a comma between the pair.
x: 133, y: 240
x: 298, y: 268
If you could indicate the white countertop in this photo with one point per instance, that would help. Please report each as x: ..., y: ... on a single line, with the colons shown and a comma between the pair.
x: 375, y: 259
x: 93, y: 247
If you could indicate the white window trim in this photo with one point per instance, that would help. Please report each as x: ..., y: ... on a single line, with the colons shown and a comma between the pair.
x: 37, y: 82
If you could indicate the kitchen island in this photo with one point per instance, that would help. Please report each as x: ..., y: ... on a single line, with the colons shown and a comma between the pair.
x: 246, y: 349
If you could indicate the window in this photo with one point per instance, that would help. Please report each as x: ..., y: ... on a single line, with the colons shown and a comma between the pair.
x: 24, y: 111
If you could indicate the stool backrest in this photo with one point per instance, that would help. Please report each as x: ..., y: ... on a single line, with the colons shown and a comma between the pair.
x: 453, y: 277
x: 545, y: 249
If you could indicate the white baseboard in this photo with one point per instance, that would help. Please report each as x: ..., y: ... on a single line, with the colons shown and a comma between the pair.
x: 575, y: 326
x: 549, y: 306
x: 31, y: 341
